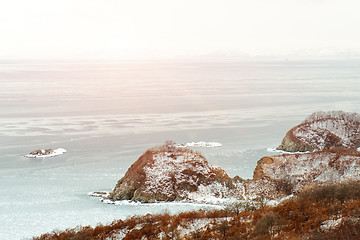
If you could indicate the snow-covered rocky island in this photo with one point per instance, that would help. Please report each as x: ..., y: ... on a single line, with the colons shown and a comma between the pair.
x: 43, y: 153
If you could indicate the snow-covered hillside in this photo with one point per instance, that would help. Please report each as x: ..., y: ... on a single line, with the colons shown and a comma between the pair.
x: 305, y: 169
x: 324, y: 130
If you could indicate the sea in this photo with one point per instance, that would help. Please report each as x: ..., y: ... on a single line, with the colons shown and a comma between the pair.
x: 106, y: 114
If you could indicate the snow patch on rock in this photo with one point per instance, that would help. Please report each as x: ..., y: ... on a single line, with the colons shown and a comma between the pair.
x: 275, y: 150
x: 331, y: 224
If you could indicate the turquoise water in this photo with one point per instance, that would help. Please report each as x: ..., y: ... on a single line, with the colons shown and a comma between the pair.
x: 107, y: 114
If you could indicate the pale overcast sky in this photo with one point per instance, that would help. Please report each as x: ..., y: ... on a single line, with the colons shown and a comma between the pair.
x: 166, y: 28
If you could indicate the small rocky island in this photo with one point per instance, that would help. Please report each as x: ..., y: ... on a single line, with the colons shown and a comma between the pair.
x: 42, y: 153
x: 324, y: 130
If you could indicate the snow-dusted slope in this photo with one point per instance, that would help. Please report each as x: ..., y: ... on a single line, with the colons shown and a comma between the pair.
x: 297, y: 171
x: 167, y: 173
x: 324, y: 130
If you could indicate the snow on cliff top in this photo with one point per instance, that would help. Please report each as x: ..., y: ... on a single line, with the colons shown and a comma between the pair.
x: 324, y: 130
x: 344, y: 125
x: 334, y: 165
x: 43, y: 153
x: 167, y: 173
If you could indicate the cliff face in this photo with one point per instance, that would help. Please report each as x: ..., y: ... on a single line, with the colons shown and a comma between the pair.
x: 324, y: 130
x: 167, y: 174
x: 302, y: 170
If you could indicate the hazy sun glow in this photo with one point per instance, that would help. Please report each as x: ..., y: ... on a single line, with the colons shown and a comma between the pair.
x: 163, y: 28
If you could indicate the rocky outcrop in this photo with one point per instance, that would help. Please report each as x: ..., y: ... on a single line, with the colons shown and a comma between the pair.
x: 167, y: 173
x: 259, y: 170
x: 300, y: 170
x: 43, y: 153
x: 324, y: 130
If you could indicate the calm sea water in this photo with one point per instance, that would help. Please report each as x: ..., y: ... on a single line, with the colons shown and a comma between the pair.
x: 107, y: 114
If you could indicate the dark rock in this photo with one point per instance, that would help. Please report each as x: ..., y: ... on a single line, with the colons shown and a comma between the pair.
x: 42, y: 152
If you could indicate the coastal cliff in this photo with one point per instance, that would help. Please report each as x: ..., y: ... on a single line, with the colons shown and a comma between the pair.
x: 172, y: 173
x: 301, y: 170
x: 324, y: 130
x: 168, y: 173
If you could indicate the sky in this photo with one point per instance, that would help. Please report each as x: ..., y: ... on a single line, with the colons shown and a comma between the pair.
x: 117, y: 29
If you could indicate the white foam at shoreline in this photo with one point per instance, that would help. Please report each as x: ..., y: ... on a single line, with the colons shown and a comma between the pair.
x: 203, y: 202
x: 54, y: 153
x: 200, y: 144
x: 275, y: 150
x: 132, y: 203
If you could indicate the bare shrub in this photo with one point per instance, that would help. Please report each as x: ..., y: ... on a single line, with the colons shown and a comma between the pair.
x: 349, y: 230
x: 266, y: 223
x: 337, y: 191
x: 196, y: 234
x: 223, y: 227
x: 285, y: 185
x: 238, y: 206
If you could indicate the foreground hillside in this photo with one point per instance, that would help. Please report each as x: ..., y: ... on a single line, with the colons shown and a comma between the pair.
x: 323, y: 212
